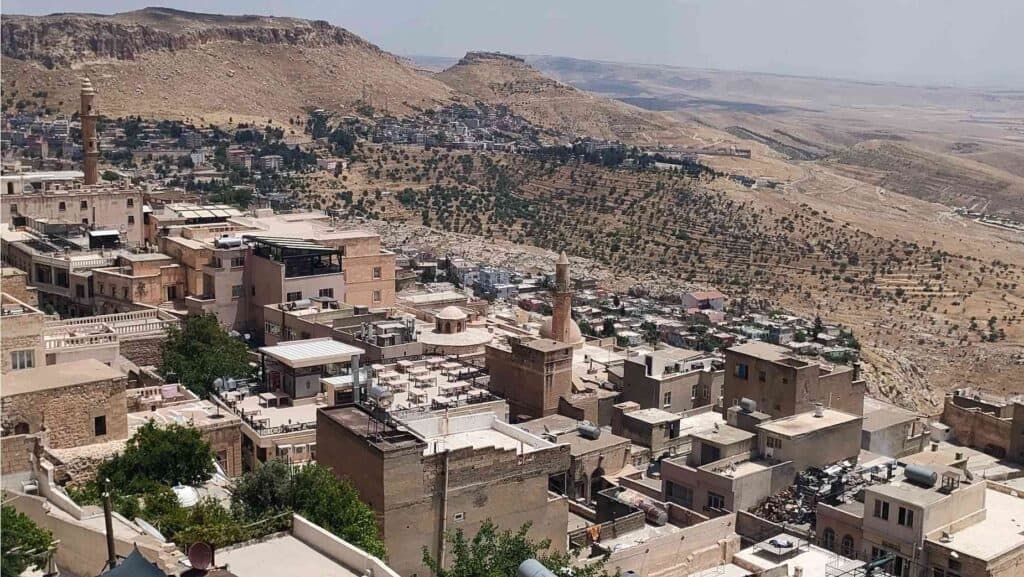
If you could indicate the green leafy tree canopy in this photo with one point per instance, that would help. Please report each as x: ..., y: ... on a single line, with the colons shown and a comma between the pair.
x: 202, y: 351
x: 22, y: 543
x: 169, y: 455
x: 495, y: 553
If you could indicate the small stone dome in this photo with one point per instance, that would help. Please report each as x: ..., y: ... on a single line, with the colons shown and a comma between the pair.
x: 452, y: 313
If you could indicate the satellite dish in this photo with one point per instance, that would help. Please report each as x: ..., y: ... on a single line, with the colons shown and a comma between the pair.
x: 200, y: 555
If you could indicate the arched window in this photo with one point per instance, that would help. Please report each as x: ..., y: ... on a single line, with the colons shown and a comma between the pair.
x: 21, y: 428
x: 847, y: 547
x: 828, y: 539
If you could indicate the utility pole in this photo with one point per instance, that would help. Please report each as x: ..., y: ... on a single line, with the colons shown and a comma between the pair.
x: 109, y: 522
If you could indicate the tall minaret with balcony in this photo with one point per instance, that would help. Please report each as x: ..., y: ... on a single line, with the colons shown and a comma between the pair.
x: 561, y: 313
x: 90, y: 143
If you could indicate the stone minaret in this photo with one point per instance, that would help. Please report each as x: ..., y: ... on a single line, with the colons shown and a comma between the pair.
x: 561, y: 314
x: 90, y: 144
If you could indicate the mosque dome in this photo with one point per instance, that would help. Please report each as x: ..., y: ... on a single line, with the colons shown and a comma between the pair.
x: 575, y: 336
x: 451, y: 313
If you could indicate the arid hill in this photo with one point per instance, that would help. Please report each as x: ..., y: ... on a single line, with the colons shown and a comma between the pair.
x: 502, y: 79
x: 173, y: 64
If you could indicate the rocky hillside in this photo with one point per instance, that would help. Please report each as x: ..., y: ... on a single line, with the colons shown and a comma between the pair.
x: 169, y: 63
x: 502, y: 79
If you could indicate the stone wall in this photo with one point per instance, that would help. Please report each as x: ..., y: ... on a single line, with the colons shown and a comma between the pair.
x: 975, y: 428
x: 68, y: 413
x: 21, y: 332
x: 16, y: 454
x: 15, y: 283
x: 143, y: 351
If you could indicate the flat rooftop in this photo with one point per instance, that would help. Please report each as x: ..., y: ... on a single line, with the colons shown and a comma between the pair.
x: 806, y: 423
x: 814, y: 560
x: 475, y: 431
x: 724, y: 435
x: 200, y: 414
x: 362, y: 424
x: 762, y: 350
x: 565, y: 430
x: 302, y: 413
x: 879, y: 415
x: 653, y: 416
x: 311, y: 352
x: 281, y: 556
x: 1001, y: 531
x: 909, y: 492
x: 57, y: 376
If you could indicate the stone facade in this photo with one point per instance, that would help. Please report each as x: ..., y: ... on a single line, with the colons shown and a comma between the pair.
x: 69, y: 414
x: 15, y: 283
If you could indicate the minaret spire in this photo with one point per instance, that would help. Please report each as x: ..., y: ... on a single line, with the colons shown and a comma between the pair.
x: 90, y: 143
x: 561, y: 310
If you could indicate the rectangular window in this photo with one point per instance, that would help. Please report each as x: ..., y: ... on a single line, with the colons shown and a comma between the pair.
x: 680, y: 494
x: 23, y: 360
x: 667, y: 399
x: 131, y: 202
x: 741, y: 370
x: 236, y: 291
x: 327, y: 292
x: 376, y: 272
x: 376, y: 296
x: 762, y: 376
x: 905, y: 517
x: 292, y: 297
x: 84, y: 205
x: 882, y: 509
x: 237, y: 261
x: 716, y: 501
x: 694, y: 392
x: 124, y: 293
x: 62, y: 206
x: 99, y: 425
x: 773, y: 443
x: 101, y: 289
x: 79, y: 291
x: 131, y: 219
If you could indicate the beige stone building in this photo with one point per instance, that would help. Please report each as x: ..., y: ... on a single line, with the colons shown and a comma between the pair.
x: 533, y: 375
x: 137, y: 278
x: 783, y: 385
x: 77, y: 403
x: 672, y: 379
x: 439, y: 474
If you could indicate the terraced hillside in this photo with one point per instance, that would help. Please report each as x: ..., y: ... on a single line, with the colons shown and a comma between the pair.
x: 924, y: 314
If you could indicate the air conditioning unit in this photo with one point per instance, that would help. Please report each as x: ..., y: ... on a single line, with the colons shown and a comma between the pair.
x: 769, y: 452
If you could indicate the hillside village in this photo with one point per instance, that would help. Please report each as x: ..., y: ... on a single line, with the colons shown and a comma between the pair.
x: 351, y: 339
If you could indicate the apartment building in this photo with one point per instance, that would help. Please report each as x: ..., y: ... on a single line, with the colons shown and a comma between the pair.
x: 783, y: 385
x: 671, y: 379
x: 137, y: 279
x: 61, y: 198
x: 986, y: 422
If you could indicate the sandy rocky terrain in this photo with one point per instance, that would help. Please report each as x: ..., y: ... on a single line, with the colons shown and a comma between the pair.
x: 850, y: 233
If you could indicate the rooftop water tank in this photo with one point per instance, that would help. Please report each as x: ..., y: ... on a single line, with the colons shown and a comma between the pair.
x: 748, y: 405
x: 228, y: 242
x: 589, y: 430
x: 533, y: 568
x: 920, y: 475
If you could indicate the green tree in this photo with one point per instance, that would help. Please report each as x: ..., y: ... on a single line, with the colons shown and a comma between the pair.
x: 818, y: 328
x: 335, y: 505
x: 267, y: 490
x: 608, y: 329
x: 22, y: 543
x: 494, y: 553
x: 110, y: 175
x: 201, y: 352
x: 650, y: 331
x: 168, y: 455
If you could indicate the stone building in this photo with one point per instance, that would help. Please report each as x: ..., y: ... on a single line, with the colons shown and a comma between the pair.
x: 672, y: 379
x: 438, y: 474
x: 783, y: 385
x: 15, y: 282
x: 21, y: 334
x: 992, y: 424
x: 77, y: 403
x: 532, y: 375
x: 657, y: 430
x: 143, y: 278
x: 452, y: 335
x: 593, y: 454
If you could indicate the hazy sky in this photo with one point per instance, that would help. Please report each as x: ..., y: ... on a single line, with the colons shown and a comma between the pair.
x: 966, y: 42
